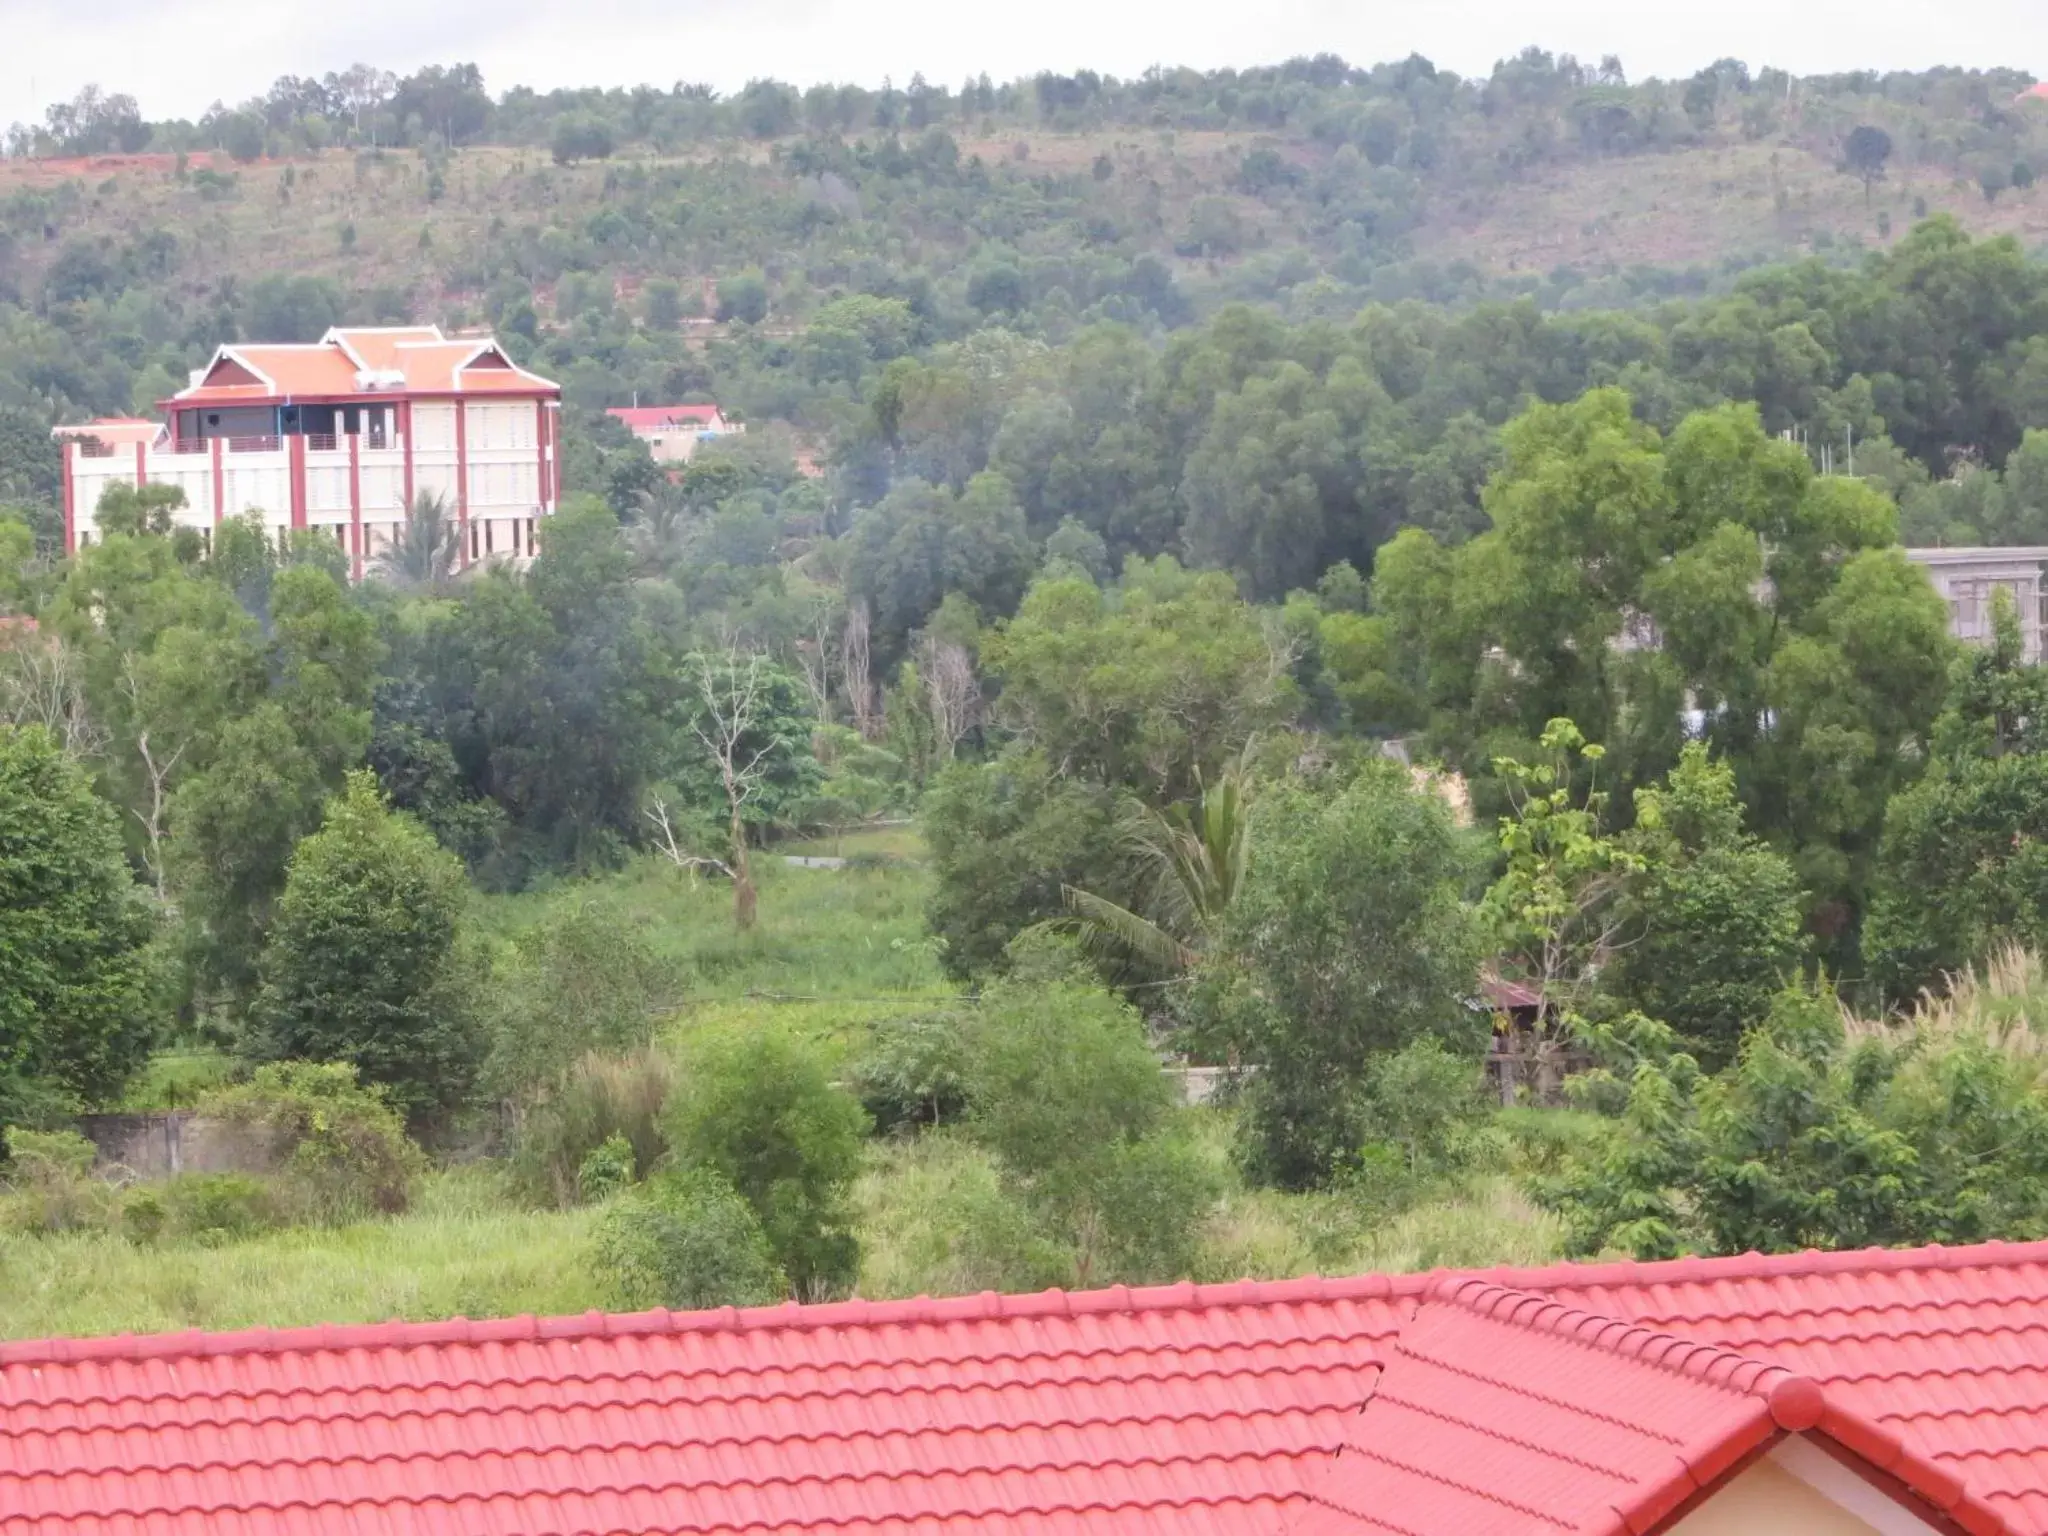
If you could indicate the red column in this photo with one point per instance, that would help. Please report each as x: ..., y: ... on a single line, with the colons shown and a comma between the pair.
x: 296, y: 444
x: 141, y: 465
x: 70, y: 496
x: 555, y: 438
x: 405, y: 437
x: 220, y: 484
x: 462, y: 482
x: 355, y: 504
x: 540, y: 437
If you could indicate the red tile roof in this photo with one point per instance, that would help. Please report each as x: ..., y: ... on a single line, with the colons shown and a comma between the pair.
x: 1184, y: 1409
x: 419, y: 360
x: 1502, y: 1412
x: 664, y: 418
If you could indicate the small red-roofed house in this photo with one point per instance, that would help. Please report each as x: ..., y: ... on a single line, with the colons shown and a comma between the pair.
x: 1856, y: 1394
x: 673, y: 433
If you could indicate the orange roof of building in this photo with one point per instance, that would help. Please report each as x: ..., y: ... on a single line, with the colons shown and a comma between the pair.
x: 1226, y: 1410
x: 391, y: 362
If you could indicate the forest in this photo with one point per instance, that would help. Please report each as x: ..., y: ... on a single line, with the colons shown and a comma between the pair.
x: 1162, y: 626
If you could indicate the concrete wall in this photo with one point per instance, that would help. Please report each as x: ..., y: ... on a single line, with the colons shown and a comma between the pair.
x: 157, y: 1146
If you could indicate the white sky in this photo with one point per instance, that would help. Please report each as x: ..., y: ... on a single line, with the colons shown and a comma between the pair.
x: 177, y: 56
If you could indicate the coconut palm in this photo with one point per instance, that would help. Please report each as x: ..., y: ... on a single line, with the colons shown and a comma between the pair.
x: 1192, y: 862
x: 427, y: 546
x: 659, y: 532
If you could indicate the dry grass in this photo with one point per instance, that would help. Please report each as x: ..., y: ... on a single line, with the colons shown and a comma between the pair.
x: 2003, y: 1004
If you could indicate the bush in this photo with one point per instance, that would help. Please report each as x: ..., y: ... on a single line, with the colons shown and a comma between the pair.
x: 607, y: 1170
x: 209, y: 1208
x: 602, y: 1098
x: 581, y: 138
x: 685, y: 1241
x: 339, y: 1147
x: 1424, y: 1110
x: 1069, y: 1096
x: 576, y: 983
x: 49, y: 1184
x: 759, y: 1111
x: 913, y: 1073
x: 941, y: 1220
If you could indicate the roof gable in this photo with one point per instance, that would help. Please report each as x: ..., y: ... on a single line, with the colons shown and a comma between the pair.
x: 1501, y: 1412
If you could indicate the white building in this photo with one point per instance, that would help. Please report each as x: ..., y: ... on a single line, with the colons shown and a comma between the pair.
x: 1968, y: 578
x: 339, y: 435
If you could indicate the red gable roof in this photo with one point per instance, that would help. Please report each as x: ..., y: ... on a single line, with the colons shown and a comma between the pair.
x: 1502, y: 1412
x: 664, y: 418
x: 410, y: 360
x: 1183, y: 1409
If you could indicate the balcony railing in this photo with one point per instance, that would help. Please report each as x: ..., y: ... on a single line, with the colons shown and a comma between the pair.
x: 93, y: 448
x: 190, y: 445
x: 254, y: 444
x: 322, y: 442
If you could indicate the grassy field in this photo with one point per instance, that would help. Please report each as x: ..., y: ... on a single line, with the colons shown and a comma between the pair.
x: 836, y: 951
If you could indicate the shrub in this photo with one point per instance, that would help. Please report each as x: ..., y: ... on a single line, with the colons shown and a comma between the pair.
x: 340, y: 1147
x: 607, y: 1170
x: 759, y: 1111
x: 913, y: 1073
x: 685, y: 1241
x: 602, y: 1097
x: 49, y: 1184
x: 212, y: 1208
x: 576, y: 983
x: 941, y: 1220
x: 1424, y: 1109
x: 1069, y: 1096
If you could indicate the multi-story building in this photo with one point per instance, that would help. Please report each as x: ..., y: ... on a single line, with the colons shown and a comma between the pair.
x: 1968, y: 579
x: 340, y: 436
x: 673, y: 433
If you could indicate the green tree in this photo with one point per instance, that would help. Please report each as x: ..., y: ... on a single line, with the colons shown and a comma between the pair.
x: 1865, y: 152
x: 743, y: 297
x: 1348, y: 939
x: 74, y: 1020
x: 427, y: 548
x: 1064, y: 1089
x: 1142, y: 686
x: 365, y: 962
x: 1713, y: 921
x: 1006, y: 838
x: 758, y: 1111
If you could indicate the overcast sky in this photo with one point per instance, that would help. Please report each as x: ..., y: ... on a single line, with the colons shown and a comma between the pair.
x: 178, y: 56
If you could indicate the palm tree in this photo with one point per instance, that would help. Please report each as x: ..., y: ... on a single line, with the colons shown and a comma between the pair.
x: 427, y: 546
x: 659, y: 533
x: 1193, y: 860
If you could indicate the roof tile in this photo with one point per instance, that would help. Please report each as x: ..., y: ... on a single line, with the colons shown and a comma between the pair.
x: 1190, y: 1409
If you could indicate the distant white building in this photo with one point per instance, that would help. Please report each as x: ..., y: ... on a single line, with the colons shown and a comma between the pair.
x: 672, y: 433
x: 1968, y: 578
x: 337, y: 436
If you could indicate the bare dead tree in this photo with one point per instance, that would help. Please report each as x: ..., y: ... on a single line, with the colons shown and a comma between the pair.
x: 856, y: 671
x: 40, y: 685
x: 157, y: 766
x: 817, y: 655
x: 669, y: 842
x: 733, y: 689
x: 953, y: 689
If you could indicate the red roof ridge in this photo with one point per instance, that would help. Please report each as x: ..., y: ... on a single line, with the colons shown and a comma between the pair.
x: 1712, y: 1364
x: 1796, y: 1404
x: 1185, y: 1296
